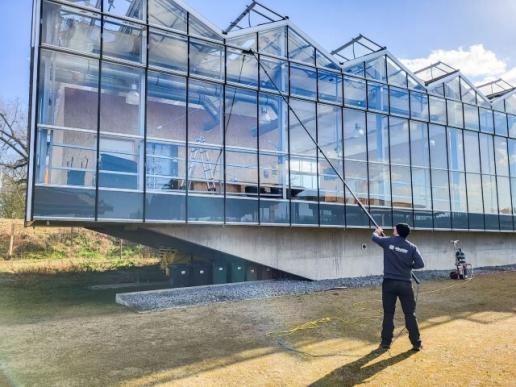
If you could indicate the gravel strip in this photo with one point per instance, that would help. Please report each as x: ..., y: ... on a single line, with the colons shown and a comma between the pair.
x: 155, y: 300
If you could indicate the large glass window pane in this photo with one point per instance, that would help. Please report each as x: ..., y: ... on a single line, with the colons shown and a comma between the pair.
x: 377, y: 138
x: 354, y: 92
x: 166, y: 107
x: 356, y: 69
x: 118, y: 205
x: 422, y: 189
x: 205, y: 113
x: 242, y: 68
x: 356, y: 178
x: 395, y: 74
x: 64, y: 98
x: 168, y: 50
x: 437, y: 110
x: 168, y: 14
x: 378, y: 97
x: 455, y: 117
x: 375, y: 69
x: 474, y: 185
x: 471, y: 117
x: 330, y: 130
x: 438, y: 147
x: 273, y: 123
x: 273, y: 75
x: 452, y: 88
x: 330, y: 87
x: 510, y: 104
x: 459, y: 205
x: 121, y: 163
x: 166, y: 166
x: 401, y: 187
x: 472, y: 152
x: 441, y: 198
x: 64, y: 202
x: 486, y: 120
x: 299, y: 49
x: 123, y: 40
x: 511, y: 121
x: 419, y: 106
x: 501, y: 156
x: 303, y: 81
x: 455, y: 150
x: 468, y: 95
x: 197, y: 27
x: 419, y: 144
x: 490, y: 196
x: 302, y: 119
x: 205, y: 169
x: 241, y: 186
x: 70, y: 28
x: 504, y: 195
x: 66, y: 157
x: 206, y: 59
x: 512, y: 157
x: 122, y: 99
x: 273, y: 42
x: 487, y: 154
x: 399, y: 141
x: 241, y: 119
x: 355, y: 143
x: 399, y: 101
x: 85, y: 3
x: 244, y: 41
x: 303, y: 186
x: 500, y: 123
x: 125, y: 8
x: 274, y: 188
x: 379, y: 185
x: 331, y: 192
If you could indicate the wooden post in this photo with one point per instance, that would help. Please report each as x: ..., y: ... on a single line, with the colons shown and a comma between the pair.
x: 11, y: 242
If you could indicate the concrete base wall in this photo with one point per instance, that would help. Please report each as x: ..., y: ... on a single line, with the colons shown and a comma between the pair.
x: 333, y: 253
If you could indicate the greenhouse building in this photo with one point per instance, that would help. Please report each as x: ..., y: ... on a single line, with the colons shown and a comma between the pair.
x: 149, y: 123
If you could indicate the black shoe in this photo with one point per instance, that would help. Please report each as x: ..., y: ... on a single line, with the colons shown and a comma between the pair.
x: 417, y: 348
x: 384, y: 347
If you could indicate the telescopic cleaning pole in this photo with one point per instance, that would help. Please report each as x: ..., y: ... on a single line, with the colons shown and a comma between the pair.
x: 357, y: 200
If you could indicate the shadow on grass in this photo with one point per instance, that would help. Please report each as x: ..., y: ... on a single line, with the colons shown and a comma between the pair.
x: 357, y: 372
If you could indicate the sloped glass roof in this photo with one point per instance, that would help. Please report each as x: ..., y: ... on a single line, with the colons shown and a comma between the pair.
x: 495, y: 88
x: 255, y: 14
x: 357, y: 47
x: 434, y: 72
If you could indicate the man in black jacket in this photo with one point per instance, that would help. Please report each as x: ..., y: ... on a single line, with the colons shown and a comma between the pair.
x: 399, y: 258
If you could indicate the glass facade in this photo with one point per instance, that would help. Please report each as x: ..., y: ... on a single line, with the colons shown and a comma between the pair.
x: 144, y: 114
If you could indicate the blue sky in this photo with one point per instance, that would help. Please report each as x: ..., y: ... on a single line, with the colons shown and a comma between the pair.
x: 474, y: 35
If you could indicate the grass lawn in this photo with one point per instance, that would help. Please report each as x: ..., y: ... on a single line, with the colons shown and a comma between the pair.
x: 55, y: 331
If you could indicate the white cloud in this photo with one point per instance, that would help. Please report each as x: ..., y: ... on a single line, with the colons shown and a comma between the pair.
x: 476, y: 62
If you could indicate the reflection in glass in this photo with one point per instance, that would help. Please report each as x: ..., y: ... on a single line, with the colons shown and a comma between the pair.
x: 241, y: 68
x: 455, y: 150
x: 471, y: 117
x: 419, y: 144
x: 206, y: 59
x: 401, y: 187
x: 438, y: 147
x: 486, y: 120
x: 354, y: 92
x: 68, y: 94
x: 500, y: 123
x: 273, y: 42
x: 273, y: 75
x: 330, y: 86
x: 472, y: 152
x: 205, y: 107
x: 487, y: 154
x: 303, y: 81
x: 399, y: 141
x: 378, y: 138
x: 125, y: 8
x: 355, y: 147
x: 70, y: 28
x: 455, y: 117
x: 379, y: 185
x: 399, y: 100
x: 330, y: 130
x: 375, y: 69
x: 167, y: 13
x: 299, y: 49
x: 168, y: 50
x: 437, y: 110
x: 123, y: 40
x: 419, y: 106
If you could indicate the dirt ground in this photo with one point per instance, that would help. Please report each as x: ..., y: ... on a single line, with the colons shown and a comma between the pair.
x: 55, y: 331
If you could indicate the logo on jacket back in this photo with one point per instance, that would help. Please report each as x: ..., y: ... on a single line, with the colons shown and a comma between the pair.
x: 398, y: 249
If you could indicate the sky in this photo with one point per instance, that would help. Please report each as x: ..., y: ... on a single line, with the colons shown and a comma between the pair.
x: 476, y: 36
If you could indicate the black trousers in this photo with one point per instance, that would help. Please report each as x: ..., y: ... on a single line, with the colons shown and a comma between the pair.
x: 391, y: 291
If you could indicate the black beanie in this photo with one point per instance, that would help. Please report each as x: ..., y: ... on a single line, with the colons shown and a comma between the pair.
x: 403, y: 229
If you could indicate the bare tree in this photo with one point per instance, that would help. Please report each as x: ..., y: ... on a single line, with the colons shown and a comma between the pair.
x: 14, y: 156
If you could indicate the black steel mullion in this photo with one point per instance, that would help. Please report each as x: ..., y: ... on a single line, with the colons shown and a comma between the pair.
x: 465, y: 177
x: 510, y: 181
x: 288, y: 133
x: 390, y: 164
x: 317, y: 140
x: 36, y: 48
x: 99, y: 106
x: 187, y: 119
x: 224, y: 131
x: 496, y: 182
x: 343, y: 145
x: 146, y: 93
x: 366, y: 115
x: 258, y: 95
x: 430, y: 169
